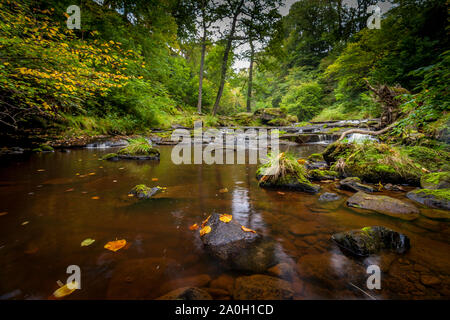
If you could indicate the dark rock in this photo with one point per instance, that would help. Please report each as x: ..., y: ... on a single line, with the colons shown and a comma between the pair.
x: 319, y: 175
x: 141, y: 191
x: 439, y: 199
x: 370, y: 240
x: 312, y: 165
x: 354, y: 184
x: 262, y: 287
x: 384, y: 205
x: 223, y: 282
x: 186, y: 293
x: 328, y: 196
x: 236, y: 248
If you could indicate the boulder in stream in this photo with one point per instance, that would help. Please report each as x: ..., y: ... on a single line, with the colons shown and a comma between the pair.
x: 262, y: 287
x: 370, y: 240
x: 384, y: 205
x: 236, y: 248
x: 354, y: 184
x: 439, y: 199
x: 329, y: 196
x: 141, y: 191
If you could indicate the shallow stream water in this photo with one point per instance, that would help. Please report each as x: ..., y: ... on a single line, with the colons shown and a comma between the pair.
x: 49, y: 204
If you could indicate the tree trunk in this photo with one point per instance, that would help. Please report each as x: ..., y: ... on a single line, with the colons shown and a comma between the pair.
x: 250, y: 78
x: 200, y: 81
x: 225, y: 57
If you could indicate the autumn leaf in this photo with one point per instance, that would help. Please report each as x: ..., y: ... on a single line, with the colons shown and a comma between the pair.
x: 3, y: 213
x: 131, y: 195
x: 281, y: 193
x: 70, y: 190
x: 91, y: 174
x: 205, y: 221
x: 87, y: 242
x: 25, y: 223
x: 247, y: 229
x: 154, y: 179
x: 40, y: 170
x: 224, y: 190
x: 64, y: 290
x: 205, y: 230
x: 226, y: 218
x: 115, y: 245
x: 193, y: 227
x: 301, y: 161
x: 95, y: 198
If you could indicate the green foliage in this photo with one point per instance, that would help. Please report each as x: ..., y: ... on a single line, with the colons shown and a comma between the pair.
x: 303, y: 100
x: 137, y: 146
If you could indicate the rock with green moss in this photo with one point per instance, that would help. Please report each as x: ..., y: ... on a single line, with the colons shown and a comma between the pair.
x: 315, y: 157
x: 439, y: 199
x: 110, y: 157
x: 354, y: 184
x: 139, y: 149
x: 373, y: 162
x: 319, y: 175
x: 436, y: 180
x: 371, y: 240
x: 429, y: 158
x: 141, y: 191
x: 384, y: 205
x: 284, y: 172
x: 44, y: 148
x: 278, y: 122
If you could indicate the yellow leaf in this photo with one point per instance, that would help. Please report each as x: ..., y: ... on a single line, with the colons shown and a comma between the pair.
x: 64, y: 290
x: 205, y: 230
x: 205, y: 221
x: 193, y: 227
x: 95, y: 198
x: 224, y: 190
x: 115, y: 245
x: 226, y: 218
x: 281, y: 193
x: 247, y: 229
x: 301, y: 161
x: 154, y: 179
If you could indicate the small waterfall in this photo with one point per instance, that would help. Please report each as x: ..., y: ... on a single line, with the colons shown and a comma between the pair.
x: 359, y: 138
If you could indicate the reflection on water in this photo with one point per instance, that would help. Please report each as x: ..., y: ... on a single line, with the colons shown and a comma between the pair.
x: 50, y: 211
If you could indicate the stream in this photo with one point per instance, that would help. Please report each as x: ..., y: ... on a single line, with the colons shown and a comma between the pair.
x: 51, y: 202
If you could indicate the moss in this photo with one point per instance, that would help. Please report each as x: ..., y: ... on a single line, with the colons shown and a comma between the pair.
x: 317, y: 174
x: 431, y: 159
x: 436, y: 180
x: 46, y: 147
x: 37, y: 150
x: 140, y: 188
x: 279, y: 122
x: 316, y: 157
x: 440, y: 194
x: 109, y: 156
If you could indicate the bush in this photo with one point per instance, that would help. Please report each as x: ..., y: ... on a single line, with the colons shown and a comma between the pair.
x: 303, y: 100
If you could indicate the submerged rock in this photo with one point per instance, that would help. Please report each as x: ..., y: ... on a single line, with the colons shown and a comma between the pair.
x: 436, y: 180
x: 186, y: 293
x: 329, y: 196
x: 236, y: 248
x: 370, y: 240
x: 439, y: 199
x: 354, y: 184
x: 141, y: 191
x: 262, y: 287
x: 384, y: 205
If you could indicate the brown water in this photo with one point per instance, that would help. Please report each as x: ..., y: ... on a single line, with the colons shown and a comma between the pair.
x: 163, y: 254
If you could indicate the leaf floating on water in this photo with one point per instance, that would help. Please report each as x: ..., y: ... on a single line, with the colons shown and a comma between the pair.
x: 25, y: 223
x: 281, y: 193
x: 70, y: 190
x: 154, y: 179
x: 247, y: 229
x: 40, y: 170
x: 121, y: 168
x: 95, y: 198
x: 131, y: 195
x: 205, y: 230
x: 226, y: 218
x: 87, y: 242
x: 3, y: 213
x: 64, y: 290
x: 205, y: 221
x: 115, y: 245
x: 91, y: 174
x: 193, y: 227
x: 224, y: 190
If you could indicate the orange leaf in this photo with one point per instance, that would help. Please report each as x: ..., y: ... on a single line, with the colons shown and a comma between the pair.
x: 154, y: 179
x: 224, y: 190
x: 281, y: 193
x: 301, y: 161
x: 247, y: 229
x: 226, y: 218
x: 95, y: 198
x: 193, y: 227
x: 205, y: 230
x: 205, y: 221
x: 115, y: 245
x: 69, y: 190
x: 3, y: 213
x: 131, y: 195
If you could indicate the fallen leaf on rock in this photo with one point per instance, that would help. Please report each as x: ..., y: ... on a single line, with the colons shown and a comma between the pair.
x: 224, y: 190
x: 193, y: 227
x: 247, y: 229
x: 87, y: 242
x: 205, y: 221
x: 64, y: 291
x: 95, y: 198
x: 3, y: 213
x: 154, y: 179
x: 226, y: 218
x: 116, y: 245
x: 205, y: 230
x: 281, y: 193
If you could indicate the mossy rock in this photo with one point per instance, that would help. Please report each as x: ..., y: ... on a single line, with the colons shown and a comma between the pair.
x: 439, y: 199
x: 373, y: 162
x: 431, y: 159
x: 291, y: 118
x: 141, y: 191
x: 278, y: 122
x: 318, y: 175
x: 268, y: 114
x: 436, y: 180
x: 315, y: 157
x: 151, y: 154
x: 37, y: 150
x: 110, y: 157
